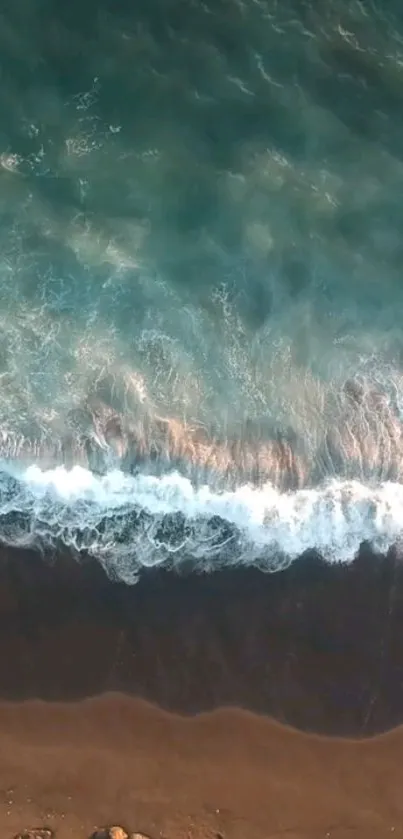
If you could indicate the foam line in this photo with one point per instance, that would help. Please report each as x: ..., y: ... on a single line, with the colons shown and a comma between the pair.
x: 129, y: 522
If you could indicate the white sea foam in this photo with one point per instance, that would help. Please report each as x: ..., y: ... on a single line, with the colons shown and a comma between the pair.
x: 252, y: 526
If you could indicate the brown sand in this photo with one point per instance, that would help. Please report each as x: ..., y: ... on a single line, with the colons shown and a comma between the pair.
x: 229, y: 773
x: 317, y: 647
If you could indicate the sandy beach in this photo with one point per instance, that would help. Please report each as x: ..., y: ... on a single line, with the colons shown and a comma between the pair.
x: 116, y: 701
x: 226, y: 774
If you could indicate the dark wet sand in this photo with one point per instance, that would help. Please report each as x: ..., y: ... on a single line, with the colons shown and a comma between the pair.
x: 318, y: 648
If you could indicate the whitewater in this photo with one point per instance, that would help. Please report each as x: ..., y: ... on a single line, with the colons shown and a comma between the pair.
x: 132, y: 522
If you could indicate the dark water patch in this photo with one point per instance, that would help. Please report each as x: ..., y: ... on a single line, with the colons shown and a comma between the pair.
x: 315, y: 646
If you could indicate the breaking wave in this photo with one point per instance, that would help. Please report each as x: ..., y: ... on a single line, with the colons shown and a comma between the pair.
x: 132, y: 522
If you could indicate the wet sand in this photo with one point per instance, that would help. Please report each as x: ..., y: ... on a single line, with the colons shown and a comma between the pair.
x: 317, y: 647
x: 157, y: 748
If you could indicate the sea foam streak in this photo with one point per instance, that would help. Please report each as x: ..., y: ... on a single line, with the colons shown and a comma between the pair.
x: 128, y: 522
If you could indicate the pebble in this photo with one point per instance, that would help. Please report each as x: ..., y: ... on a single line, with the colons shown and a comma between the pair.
x: 36, y: 833
x: 112, y: 832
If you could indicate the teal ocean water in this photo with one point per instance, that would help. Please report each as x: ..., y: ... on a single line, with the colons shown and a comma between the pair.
x: 201, y: 290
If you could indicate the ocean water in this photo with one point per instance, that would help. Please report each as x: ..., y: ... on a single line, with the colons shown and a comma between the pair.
x: 201, y: 290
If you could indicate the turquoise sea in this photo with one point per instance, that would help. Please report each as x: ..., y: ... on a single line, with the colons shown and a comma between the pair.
x: 201, y: 288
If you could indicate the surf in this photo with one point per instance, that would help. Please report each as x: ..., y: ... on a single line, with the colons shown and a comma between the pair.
x: 133, y: 522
